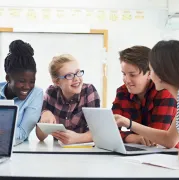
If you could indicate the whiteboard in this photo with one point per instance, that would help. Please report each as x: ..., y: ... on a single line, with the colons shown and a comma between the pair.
x: 86, y: 48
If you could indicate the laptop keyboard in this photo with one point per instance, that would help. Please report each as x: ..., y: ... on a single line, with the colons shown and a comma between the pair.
x: 130, y: 148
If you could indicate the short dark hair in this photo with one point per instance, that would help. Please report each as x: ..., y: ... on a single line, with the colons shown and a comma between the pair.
x: 136, y: 55
x: 164, y: 59
x: 20, y: 58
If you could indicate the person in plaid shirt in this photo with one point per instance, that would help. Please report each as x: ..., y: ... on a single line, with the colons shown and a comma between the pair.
x: 138, y: 99
x: 64, y: 100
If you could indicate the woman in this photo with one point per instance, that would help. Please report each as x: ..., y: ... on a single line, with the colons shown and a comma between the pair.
x: 164, y: 67
x: 64, y: 100
x: 20, y: 68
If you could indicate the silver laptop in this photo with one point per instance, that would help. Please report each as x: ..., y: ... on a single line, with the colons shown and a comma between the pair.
x: 8, y: 116
x: 105, y: 133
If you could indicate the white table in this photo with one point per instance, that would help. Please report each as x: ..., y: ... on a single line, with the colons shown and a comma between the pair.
x: 58, y: 165
x: 74, y: 165
x: 51, y: 146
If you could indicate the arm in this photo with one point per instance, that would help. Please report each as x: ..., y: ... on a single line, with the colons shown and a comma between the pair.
x: 127, y: 136
x: 93, y: 99
x: 46, y: 115
x: 71, y: 137
x: 30, y: 117
x: 163, y: 112
x: 165, y: 138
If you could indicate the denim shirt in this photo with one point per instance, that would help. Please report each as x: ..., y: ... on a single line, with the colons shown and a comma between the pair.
x: 28, y: 114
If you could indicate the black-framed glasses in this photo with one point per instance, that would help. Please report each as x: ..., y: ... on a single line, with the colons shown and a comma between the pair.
x: 72, y: 75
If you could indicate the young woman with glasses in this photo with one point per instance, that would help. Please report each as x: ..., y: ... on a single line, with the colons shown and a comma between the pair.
x: 64, y: 100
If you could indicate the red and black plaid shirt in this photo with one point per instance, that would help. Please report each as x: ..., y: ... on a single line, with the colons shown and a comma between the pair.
x: 69, y: 113
x: 157, y: 109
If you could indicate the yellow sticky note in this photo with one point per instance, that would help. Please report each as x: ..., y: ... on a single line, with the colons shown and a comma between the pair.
x: 139, y: 15
x: 126, y: 15
x: 1, y: 12
x: 14, y: 12
x: 46, y: 14
x: 101, y: 15
x: 31, y: 14
x: 113, y: 16
x: 60, y: 13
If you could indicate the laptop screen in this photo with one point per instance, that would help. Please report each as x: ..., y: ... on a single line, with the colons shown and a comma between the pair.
x: 7, y: 124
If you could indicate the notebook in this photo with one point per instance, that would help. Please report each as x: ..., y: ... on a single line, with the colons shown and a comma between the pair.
x: 160, y: 160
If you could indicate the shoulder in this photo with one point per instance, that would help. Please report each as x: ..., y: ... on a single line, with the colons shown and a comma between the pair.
x: 163, y: 94
x: 37, y: 90
x: 2, y: 84
x: 122, y: 91
x: 52, y: 89
x: 88, y: 86
x: 88, y: 89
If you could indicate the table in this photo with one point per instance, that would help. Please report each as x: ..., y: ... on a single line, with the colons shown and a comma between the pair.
x: 63, y: 164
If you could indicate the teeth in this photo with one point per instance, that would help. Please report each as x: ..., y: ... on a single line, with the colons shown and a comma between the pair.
x: 75, y: 85
x: 24, y: 92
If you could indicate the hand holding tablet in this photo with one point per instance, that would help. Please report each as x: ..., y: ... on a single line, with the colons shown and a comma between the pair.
x: 48, y: 128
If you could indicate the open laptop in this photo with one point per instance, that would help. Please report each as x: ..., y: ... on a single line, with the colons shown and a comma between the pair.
x: 8, y: 116
x: 105, y: 133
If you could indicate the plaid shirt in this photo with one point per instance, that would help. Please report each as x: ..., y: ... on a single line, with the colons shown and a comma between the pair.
x: 157, y: 109
x: 69, y: 113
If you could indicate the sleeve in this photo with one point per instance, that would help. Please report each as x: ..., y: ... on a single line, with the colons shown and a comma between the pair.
x: 117, y: 109
x: 49, y: 99
x: 30, y: 117
x: 164, y: 111
x: 93, y: 99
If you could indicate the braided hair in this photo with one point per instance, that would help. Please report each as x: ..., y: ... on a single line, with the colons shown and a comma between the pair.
x: 20, y: 58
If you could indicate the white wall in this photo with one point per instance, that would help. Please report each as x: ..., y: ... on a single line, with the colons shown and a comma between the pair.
x: 122, y: 33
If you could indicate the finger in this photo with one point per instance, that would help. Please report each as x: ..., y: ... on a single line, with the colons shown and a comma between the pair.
x: 54, y: 121
x: 152, y: 143
x: 148, y: 142
x: 142, y: 141
x: 62, y: 134
x: 57, y: 134
x: 59, y: 137
x: 65, y: 141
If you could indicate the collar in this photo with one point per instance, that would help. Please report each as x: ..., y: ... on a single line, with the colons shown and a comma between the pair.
x: 2, y: 91
x: 74, y: 99
x: 150, y: 86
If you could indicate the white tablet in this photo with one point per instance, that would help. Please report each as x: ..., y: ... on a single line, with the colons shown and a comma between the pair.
x: 48, y: 128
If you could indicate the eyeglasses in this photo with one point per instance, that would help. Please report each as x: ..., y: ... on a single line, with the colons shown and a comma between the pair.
x: 72, y: 75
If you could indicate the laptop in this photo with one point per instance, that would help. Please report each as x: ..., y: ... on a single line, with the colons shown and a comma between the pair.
x: 105, y: 133
x: 8, y: 116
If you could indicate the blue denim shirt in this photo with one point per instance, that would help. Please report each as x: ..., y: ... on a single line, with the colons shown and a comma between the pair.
x: 29, y: 112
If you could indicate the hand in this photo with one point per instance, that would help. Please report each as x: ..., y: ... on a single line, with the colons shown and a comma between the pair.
x: 138, y: 139
x: 146, y: 142
x: 121, y: 120
x: 67, y: 137
x: 47, y: 117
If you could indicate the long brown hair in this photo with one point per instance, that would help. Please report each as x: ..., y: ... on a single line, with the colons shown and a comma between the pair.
x: 164, y: 59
